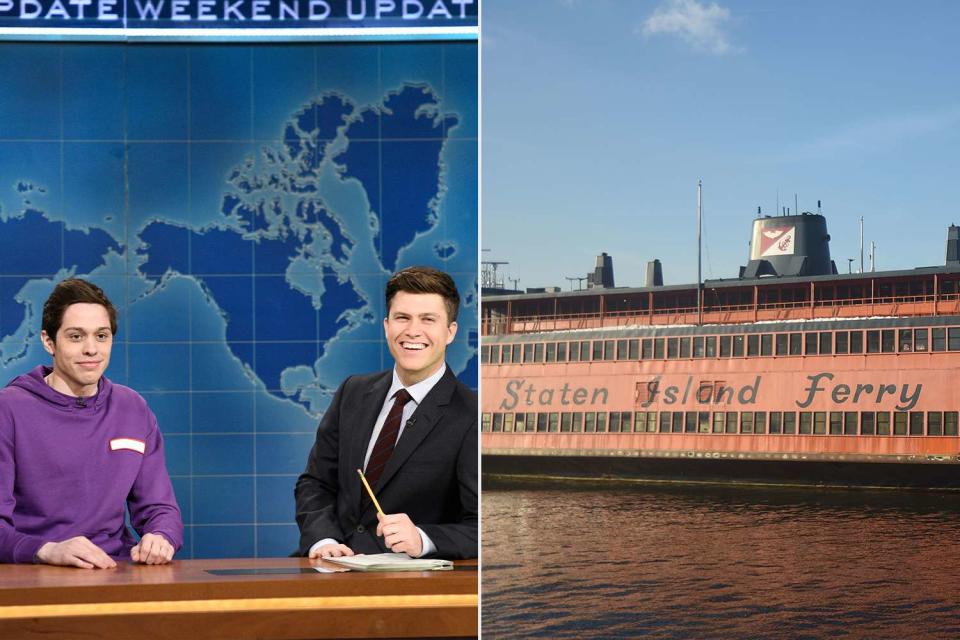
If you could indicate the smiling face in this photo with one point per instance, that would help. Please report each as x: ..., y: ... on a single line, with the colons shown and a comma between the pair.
x: 418, y: 334
x: 81, y: 351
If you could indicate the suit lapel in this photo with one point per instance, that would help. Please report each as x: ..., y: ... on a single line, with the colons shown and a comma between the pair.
x: 363, y: 423
x: 421, y: 423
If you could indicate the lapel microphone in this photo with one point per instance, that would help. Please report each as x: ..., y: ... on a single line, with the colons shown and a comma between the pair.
x: 410, y: 422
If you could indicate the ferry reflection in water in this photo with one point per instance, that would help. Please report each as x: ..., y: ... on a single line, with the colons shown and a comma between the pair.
x: 689, y: 561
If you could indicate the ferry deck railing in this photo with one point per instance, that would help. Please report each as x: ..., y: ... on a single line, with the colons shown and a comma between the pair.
x: 877, y: 306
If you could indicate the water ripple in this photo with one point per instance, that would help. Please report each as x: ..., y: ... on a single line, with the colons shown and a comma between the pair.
x: 668, y: 562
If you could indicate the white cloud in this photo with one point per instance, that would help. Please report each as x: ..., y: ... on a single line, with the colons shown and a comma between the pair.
x: 703, y: 26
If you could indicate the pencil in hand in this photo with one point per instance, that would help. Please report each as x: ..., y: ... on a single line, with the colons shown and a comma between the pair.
x: 370, y: 492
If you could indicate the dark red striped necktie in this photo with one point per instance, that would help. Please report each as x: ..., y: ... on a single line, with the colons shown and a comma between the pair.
x: 387, y: 438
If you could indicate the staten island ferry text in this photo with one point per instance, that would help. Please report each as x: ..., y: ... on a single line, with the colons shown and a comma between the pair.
x: 520, y: 392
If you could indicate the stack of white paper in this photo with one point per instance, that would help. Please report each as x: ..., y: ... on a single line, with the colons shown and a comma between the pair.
x: 390, y: 562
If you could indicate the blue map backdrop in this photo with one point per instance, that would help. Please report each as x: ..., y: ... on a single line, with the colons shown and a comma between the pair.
x: 243, y: 206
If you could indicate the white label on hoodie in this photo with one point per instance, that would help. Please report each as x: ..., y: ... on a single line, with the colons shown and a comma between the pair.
x: 128, y: 443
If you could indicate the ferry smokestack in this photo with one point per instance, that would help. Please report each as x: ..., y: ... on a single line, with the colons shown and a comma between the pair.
x: 796, y: 245
x: 602, y: 276
x: 654, y: 274
x: 953, y: 245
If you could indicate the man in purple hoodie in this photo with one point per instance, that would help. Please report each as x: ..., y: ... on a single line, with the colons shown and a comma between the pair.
x: 77, y: 450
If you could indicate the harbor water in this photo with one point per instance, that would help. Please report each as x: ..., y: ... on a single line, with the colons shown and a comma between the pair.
x: 627, y: 560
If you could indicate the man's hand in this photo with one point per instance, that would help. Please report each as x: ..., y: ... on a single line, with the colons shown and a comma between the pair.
x: 331, y: 551
x: 75, y: 552
x: 400, y: 534
x: 152, y: 549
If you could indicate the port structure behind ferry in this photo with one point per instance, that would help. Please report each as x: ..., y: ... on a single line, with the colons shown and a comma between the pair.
x: 789, y: 374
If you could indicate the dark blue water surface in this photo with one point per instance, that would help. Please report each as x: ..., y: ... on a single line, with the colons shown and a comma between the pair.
x: 625, y: 561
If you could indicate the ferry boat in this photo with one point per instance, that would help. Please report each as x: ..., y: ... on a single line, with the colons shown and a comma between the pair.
x: 790, y: 373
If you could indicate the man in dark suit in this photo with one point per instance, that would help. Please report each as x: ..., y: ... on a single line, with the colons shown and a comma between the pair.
x: 412, y: 429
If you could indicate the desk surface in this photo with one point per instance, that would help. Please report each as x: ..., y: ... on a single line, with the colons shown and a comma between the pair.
x: 184, y: 598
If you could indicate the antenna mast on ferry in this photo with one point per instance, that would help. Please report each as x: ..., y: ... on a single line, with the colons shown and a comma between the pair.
x: 699, y: 249
x: 861, y: 244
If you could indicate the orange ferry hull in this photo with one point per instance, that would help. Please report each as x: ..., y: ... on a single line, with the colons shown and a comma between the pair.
x: 870, y: 419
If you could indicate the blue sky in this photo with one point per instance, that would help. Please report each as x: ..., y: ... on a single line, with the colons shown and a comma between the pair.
x: 599, y: 117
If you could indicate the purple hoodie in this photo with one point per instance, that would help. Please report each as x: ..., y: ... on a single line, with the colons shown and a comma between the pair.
x: 69, y: 466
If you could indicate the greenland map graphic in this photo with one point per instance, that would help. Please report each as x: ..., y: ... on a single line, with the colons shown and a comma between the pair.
x: 244, y: 216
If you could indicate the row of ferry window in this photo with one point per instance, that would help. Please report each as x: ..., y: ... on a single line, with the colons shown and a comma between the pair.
x: 851, y: 423
x: 766, y: 344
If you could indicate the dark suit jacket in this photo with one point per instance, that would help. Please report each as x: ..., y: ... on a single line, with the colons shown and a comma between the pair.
x: 431, y: 475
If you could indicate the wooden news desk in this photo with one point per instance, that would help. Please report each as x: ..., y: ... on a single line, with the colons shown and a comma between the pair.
x: 282, y: 598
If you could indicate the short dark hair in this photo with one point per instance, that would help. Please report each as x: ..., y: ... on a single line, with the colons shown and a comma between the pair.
x: 426, y: 280
x: 71, y: 291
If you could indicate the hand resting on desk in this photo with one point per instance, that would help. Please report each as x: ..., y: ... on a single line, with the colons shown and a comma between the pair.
x: 75, y: 552
x: 152, y: 549
x: 332, y: 550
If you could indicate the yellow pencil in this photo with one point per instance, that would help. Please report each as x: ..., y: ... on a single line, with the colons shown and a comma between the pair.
x: 370, y: 492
